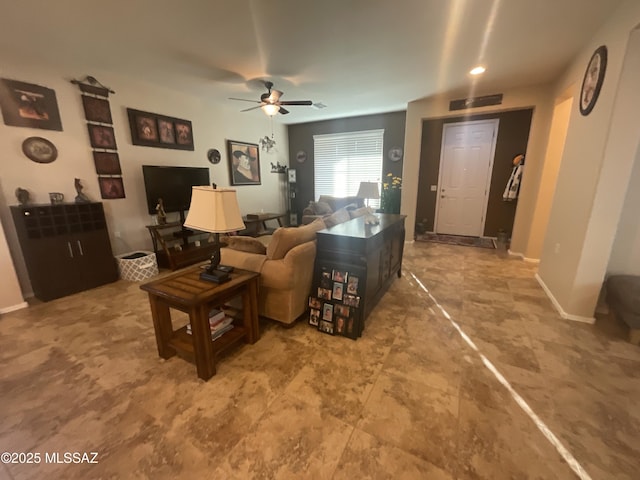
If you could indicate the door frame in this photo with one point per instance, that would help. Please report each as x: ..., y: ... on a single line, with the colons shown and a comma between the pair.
x: 496, y: 125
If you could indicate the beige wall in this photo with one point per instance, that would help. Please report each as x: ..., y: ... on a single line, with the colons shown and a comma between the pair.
x: 214, y: 121
x: 547, y: 184
x: 10, y: 295
x: 596, y: 165
x: 539, y: 97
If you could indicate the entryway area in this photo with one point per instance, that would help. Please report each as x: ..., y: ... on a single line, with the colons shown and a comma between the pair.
x: 471, y: 158
x: 467, y: 155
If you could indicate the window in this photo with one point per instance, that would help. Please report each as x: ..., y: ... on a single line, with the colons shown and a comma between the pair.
x: 343, y: 160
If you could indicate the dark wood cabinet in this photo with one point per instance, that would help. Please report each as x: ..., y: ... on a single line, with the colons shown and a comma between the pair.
x: 355, y: 265
x: 66, y: 247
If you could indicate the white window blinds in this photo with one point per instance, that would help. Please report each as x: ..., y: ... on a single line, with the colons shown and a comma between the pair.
x: 343, y: 160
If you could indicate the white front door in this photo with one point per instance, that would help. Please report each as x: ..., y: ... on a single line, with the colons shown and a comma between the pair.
x: 465, y: 176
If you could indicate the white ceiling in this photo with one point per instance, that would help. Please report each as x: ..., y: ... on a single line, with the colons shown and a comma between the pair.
x: 355, y: 56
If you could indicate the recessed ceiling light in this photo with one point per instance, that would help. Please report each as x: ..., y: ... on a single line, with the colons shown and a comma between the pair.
x: 477, y: 70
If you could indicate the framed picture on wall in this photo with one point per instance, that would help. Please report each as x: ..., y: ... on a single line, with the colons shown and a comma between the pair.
x: 244, y: 163
x: 96, y: 109
x: 161, y: 131
x: 111, y: 187
x: 102, y: 137
x: 28, y: 105
x: 107, y: 163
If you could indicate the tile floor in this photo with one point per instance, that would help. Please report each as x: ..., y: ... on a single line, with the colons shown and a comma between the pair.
x: 444, y: 384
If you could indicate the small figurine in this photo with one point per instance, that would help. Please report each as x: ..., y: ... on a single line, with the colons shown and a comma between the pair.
x: 81, y: 197
x: 162, y: 216
x: 23, y: 196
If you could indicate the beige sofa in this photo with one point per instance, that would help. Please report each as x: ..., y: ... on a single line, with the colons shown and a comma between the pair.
x: 285, y: 265
x: 327, y: 205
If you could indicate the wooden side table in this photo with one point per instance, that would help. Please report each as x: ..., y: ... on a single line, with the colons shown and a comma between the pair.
x: 184, y: 291
x: 257, y: 223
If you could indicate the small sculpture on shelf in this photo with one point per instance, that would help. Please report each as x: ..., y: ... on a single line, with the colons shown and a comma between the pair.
x: 161, y: 214
x: 81, y: 197
x: 277, y: 168
x: 23, y: 196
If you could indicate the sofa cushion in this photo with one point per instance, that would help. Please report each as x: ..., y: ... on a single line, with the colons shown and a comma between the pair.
x: 285, y: 238
x: 340, y: 216
x: 321, y: 208
x: 337, y: 203
x: 246, y: 244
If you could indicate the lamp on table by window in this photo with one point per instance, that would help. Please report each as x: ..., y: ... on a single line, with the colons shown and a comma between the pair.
x: 216, y: 211
x: 369, y: 190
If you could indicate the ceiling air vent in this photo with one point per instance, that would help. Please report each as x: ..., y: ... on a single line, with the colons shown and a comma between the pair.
x: 475, y: 102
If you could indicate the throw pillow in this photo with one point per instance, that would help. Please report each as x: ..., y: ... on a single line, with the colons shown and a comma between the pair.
x: 322, y: 208
x: 285, y: 238
x: 246, y: 244
x: 359, y: 212
x: 337, y: 217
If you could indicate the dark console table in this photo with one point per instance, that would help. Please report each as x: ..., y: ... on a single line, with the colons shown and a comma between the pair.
x: 355, y: 265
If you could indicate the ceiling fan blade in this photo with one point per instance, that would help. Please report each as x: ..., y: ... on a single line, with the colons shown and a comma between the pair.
x: 283, y: 111
x: 244, y: 100
x: 297, y: 102
x: 252, y: 108
x: 275, y: 96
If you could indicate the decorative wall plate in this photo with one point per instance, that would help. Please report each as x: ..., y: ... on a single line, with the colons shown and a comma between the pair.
x: 301, y: 156
x: 395, y: 154
x: 39, y: 150
x: 593, y: 79
x: 214, y: 156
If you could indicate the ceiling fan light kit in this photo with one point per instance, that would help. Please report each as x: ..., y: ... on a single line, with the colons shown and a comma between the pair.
x: 270, y: 102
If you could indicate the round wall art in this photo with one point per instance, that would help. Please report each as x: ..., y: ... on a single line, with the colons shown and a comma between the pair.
x: 39, y: 150
x: 593, y: 78
x: 214, y: 156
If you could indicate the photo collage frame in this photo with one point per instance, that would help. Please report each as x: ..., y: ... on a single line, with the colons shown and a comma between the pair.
x: 335, y: 302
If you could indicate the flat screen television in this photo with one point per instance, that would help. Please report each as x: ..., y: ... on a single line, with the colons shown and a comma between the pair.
x: 173, y: 185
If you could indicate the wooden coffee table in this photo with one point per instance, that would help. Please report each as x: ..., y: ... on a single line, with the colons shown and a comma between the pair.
x: 184, y: 291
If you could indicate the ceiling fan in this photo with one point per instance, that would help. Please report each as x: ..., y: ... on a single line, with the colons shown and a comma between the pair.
x: 270, y: 102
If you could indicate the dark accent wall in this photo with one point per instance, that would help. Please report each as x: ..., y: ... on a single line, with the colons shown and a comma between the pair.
x: 301, y: 138
x: 513, y: 136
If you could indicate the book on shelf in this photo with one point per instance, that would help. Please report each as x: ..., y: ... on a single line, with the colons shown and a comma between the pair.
x: 217, y: 326
x: 215, y: 334
x: 215, y: 315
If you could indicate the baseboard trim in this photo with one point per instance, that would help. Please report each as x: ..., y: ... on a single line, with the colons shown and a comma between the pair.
x: 558, y: 307
x: 522, y: 257
x: 13, y: 308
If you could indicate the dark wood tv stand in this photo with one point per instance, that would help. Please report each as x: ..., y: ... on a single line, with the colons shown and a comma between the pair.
x: 176, y: 247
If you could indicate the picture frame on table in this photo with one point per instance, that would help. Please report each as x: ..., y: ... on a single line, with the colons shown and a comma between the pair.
x: 160, y: 131
x: 244, y: 163
x: 314, y: 317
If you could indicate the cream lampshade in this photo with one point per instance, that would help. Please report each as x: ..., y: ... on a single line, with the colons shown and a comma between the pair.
x: 369, y: 190
x: 216, y: 211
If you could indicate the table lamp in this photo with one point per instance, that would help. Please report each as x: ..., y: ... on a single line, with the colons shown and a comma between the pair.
x: 214, y: 210
x: 369, y: 190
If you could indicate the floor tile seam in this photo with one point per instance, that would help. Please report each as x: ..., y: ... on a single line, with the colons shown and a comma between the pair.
x: 541, y: 426
x: 344, y: 449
